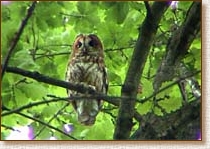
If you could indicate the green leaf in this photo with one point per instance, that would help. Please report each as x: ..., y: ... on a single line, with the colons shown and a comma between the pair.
x: 158, y: 111
x: 117, y: 13
x: 103, y: 123
x: 49, y: 110
x: 115, y: 78
x: 21, y: 98
x: 137, y: 5
x: 144, y: 108
x: 121, y: 11
x: 170, y: 105
x: 34, y: 90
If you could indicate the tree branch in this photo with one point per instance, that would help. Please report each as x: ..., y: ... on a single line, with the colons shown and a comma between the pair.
x: 50, y: 120
x: 41, y: 78
x: 31, y: 105
x: 17, y: 37
x: 141, y: 50
x: 168, y: 86
x: 45, y: 124
x: 111, y: 99
x: 118, y: 49
x: 179, y: 125
x: 178, y: 45
x: 147, y: 6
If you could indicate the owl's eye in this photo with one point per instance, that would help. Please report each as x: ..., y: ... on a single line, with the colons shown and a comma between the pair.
x: 79, y: 44
x: 91, y: 43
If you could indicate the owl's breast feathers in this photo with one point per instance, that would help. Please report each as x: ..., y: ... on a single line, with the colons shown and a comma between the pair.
x: 88, y: 59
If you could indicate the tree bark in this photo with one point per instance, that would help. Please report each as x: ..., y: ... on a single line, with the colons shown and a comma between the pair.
x: 141, y: 50
x: 184, y: 124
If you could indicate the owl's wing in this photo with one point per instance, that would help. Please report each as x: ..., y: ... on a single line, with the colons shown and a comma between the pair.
x: 105, y: 81
x: 74, y: 76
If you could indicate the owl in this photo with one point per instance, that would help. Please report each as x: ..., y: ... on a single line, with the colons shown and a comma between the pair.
x: 86, y: 66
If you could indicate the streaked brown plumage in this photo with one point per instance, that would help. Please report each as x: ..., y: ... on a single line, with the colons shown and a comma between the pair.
x: 86, y: 66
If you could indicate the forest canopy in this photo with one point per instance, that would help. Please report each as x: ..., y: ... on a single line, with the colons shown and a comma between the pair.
x: 153, y: 59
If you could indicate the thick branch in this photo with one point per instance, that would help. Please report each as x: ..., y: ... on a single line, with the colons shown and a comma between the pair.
x: 72, y: 86
x: 129, y: 89
x: 17, y: 37
x: 111, y: 99
x: 178, y: 45
x: 41, y: 78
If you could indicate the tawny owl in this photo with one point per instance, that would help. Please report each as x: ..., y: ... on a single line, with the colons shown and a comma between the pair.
x: 86, y: 65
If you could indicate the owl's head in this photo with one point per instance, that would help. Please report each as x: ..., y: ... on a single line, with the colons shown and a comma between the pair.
x: 87, y: 45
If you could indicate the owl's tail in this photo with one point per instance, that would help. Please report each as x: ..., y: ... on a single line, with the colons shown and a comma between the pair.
x: 87, y: 110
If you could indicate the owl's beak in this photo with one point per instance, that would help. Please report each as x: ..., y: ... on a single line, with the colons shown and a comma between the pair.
x: 84, y: 50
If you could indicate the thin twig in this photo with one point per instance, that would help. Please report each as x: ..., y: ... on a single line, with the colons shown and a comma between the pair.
x: 73, y: 15
x: 168, y: 86
x: 17, y: 37
x: 54, y: 116
x: 118, y: 49
x: 55, y: 45
x: 41, y: 55
x: 32, y: 105
x: 182, y: 85
x: 43, y: 123
x: 10, y: 128
x: 111, y: 99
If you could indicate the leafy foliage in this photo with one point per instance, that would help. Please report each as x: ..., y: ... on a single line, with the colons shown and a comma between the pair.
x: 45, y: 47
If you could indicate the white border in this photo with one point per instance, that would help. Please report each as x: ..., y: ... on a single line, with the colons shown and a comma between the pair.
x: 204, y: 144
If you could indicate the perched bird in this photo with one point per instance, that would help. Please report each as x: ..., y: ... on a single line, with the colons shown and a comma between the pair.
x: 86, y: 66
